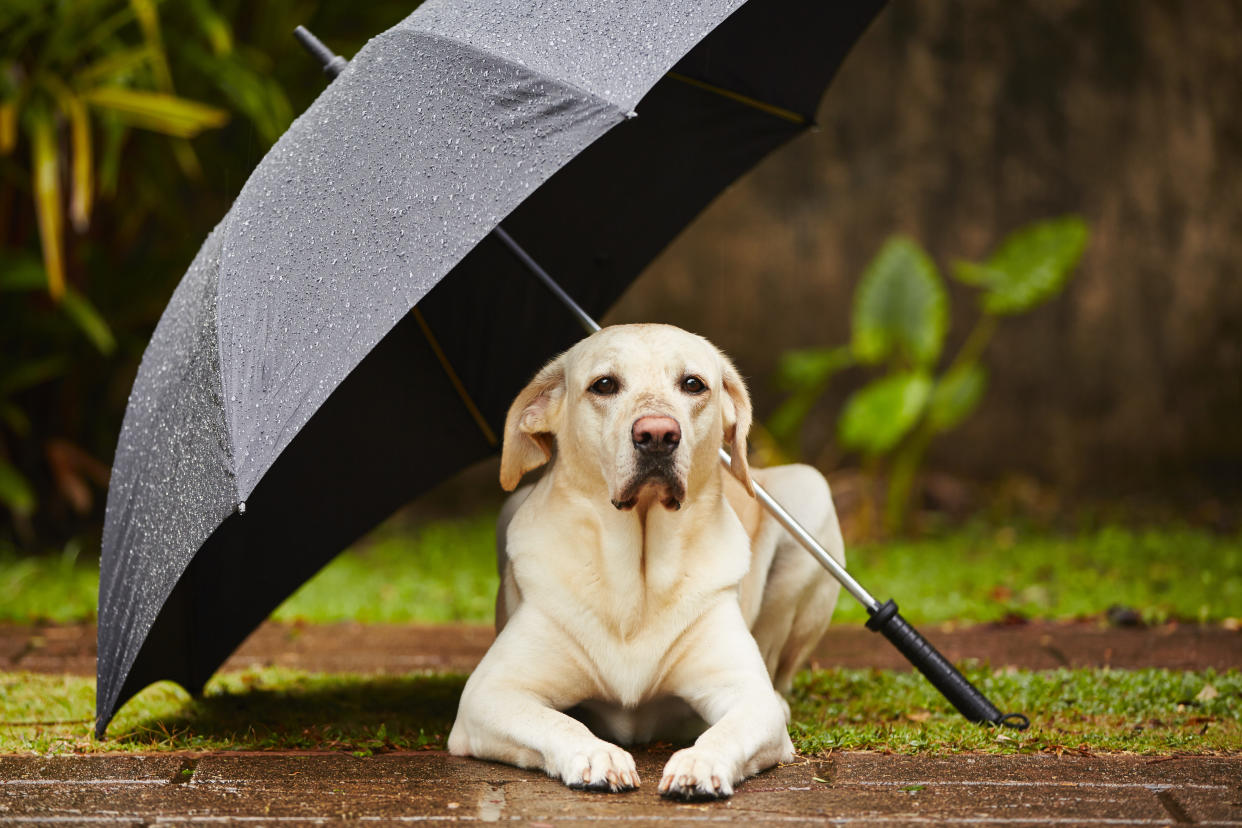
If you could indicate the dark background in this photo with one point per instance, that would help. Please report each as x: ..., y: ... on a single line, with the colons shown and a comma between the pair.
x: 954, y: 123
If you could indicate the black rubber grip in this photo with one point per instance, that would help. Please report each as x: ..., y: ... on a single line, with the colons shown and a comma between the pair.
x: 961, y: 693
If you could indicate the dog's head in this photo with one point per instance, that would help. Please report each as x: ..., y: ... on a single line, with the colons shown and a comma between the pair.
x: 644, y: 407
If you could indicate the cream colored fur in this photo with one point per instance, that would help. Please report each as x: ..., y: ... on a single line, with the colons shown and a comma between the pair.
x: 649, y: 621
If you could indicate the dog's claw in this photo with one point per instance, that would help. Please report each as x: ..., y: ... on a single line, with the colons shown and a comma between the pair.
x: 693, y: 776
x: 608, y: 769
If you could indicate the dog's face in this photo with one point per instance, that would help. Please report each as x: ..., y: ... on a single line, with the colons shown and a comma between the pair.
x: 644, y: 408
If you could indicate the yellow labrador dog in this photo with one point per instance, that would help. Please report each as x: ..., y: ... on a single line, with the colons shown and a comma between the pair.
x: 644, y: 591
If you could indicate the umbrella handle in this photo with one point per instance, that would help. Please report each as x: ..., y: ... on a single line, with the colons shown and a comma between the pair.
x: 939, y: 671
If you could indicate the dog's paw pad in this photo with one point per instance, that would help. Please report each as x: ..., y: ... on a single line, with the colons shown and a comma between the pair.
x: 694, y: 775
x: 606, y: 769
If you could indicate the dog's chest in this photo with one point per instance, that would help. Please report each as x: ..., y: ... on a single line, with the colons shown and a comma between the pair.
x: 628, y: 640
x: 628, y: 594
x: 630, y: 670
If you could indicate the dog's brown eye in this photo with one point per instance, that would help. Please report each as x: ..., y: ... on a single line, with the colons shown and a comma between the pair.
x: 693, y: 385
x: 604, y: 386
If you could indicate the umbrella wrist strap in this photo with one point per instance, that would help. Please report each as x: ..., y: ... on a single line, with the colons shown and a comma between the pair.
x: 939, y: 671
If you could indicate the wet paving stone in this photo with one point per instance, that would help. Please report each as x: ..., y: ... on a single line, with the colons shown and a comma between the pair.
x: 402, y: 648
x: 845, y: 789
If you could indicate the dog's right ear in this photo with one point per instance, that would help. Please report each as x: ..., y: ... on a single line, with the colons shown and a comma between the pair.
x: 530, y: 427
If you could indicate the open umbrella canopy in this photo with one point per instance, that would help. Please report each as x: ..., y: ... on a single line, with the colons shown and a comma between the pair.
x: 349, y: 335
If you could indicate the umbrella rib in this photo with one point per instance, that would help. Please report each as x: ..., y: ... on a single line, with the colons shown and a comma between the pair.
x: 755, y: 103
x: 454, y: 379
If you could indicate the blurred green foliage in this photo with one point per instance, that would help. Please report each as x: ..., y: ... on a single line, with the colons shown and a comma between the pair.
x: 446, y: 571
x: 899, y: 322
x: 126, y: 129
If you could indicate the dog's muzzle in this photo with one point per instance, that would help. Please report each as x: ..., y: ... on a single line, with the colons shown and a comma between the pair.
x: 656, y: 439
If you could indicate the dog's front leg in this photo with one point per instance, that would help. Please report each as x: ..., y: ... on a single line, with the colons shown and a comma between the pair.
x: 510, y: 711
x: 722, y: 676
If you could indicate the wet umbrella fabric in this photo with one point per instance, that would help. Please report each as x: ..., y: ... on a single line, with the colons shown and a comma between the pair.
x: 290, y: 399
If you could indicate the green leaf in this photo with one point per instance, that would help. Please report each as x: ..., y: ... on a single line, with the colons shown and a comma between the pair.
x: 900, y: 307
x: 112, y: 66
x: 157, y: 111
x: 20, y: 272
x: 45, y: 166
x: 878, y: 415
x: 956, y: 395
x: 251, y: 93
x: 975, y: 275
x: 806, y: 374
x: 15, y: 492
x: 15, y: 419
x: 31, y: 372
x: 1030, y: 267
x: 811, y: 367
x: 8, y: 126
x: 213, y: 25
x: 114, y: 132
x: 89, y: 321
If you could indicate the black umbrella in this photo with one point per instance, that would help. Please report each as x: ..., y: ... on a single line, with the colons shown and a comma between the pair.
x: 315, y: 368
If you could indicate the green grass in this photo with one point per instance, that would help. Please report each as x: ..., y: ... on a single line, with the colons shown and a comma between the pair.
x: 981, y: 575
x: 1143, y: 711
x: 446, y: 572
x: 62, y: 588
x: 440, y: 572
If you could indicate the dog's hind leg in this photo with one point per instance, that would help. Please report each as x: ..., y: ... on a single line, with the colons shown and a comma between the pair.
x: 799, y: 596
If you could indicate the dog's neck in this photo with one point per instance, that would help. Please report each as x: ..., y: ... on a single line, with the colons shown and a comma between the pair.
x: 645, y: 555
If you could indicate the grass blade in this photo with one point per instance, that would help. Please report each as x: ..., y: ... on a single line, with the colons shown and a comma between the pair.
x: 89, y: 321
x: 149, y: 21
x: 111, y: 66
x: 83, y: 165
x: 81, y: 172
x: 157, y: 111
x: 46, y: 183
x: 8, y: 126
x: 20, y: 271
x: 214, y: 26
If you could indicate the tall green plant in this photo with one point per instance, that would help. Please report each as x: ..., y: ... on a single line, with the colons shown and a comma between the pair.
x: 899, y: 322
x: 75, y: 79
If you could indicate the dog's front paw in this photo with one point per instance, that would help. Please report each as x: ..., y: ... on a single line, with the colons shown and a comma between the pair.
x: 693, y: 773
x: 604, y: 768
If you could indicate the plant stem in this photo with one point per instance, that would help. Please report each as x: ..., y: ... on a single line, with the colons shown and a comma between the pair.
x: 909, y: 457
x: 976, y: 341
x: 901, y: 475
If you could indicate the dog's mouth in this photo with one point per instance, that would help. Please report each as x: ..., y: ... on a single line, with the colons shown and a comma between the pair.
x: 656, y: 480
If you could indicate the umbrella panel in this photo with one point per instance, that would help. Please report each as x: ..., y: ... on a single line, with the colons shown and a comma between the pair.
x: 370, y: 449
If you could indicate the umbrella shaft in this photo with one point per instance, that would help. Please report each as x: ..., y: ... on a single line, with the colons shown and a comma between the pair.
x: 516, y: 249
x: 801, y: 535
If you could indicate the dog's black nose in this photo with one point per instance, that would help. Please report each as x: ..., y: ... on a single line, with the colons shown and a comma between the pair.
x: 656, y: 435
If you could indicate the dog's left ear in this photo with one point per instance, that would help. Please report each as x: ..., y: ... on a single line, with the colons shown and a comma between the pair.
x: 736, y: 415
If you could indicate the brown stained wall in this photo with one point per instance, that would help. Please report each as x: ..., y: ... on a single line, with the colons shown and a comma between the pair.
x: 956, y: 122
